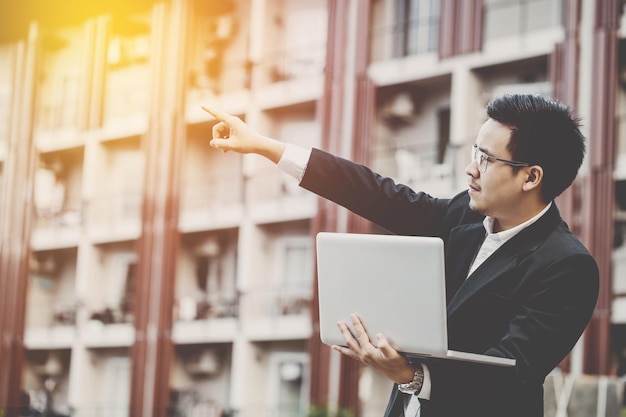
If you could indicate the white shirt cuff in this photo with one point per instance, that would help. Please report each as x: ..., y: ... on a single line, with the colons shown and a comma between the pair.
x: 294, y: 161
x: 425, y: 391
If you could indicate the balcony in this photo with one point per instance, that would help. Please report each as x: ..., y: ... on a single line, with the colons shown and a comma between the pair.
x: 109, y: 325
x: 511, y: 24
x: 211, y: 202
x: 114, y: 217
x: 56, y: 229
x: 128, y: 75
x: 274, y: 196
x: 291, y: 76
x: 206, y: 319
x: 58, y: 105
x: 57, y: 197
x: 276, y: 313
x: 51, y: 323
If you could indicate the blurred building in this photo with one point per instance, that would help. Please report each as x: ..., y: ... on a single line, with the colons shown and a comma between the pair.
x: 144, y: 273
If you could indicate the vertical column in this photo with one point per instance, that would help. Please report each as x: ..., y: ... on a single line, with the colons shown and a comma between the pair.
x: 564, y: 74
x: 15, y: 223
x: 598, y: 204
x: 565, y: 77
x: 465, y: 117
x: 361, y: 122
x: 460, y: 27
x: 93, y: 73
x: 151, y: 353
x: 330, y: 113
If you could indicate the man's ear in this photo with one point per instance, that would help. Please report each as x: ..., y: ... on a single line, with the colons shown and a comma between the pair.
x: 534, y: 175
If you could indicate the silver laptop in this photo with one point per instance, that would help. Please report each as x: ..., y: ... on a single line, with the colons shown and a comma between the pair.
x: 395, y: 284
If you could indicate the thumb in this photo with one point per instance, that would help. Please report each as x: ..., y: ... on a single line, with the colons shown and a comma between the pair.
x: 221, y: 144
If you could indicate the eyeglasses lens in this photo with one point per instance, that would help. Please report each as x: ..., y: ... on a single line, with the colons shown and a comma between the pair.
x: 480, y: 159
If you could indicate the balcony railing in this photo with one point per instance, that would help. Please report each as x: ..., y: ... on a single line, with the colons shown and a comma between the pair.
x: 115, y: 208
x: 419, y: 169
x: 110, y: 312
x: 220, y: 78
x: 206, y: 307
x: 276, y: 302
x: 108, y: 410
x: 506, y: 18
x: 69, y: 215
x: 52, y: 312
x: 269, y: 185
x: 211, y: 191
x: 291, y: 64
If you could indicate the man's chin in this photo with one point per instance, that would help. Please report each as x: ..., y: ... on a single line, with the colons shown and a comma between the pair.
x: 474, y: 206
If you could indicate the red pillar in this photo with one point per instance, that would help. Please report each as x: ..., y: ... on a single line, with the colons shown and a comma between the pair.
x: 152, y: 351
x: 16, y: 212
x: 598, y: 186
x: 330, y: 114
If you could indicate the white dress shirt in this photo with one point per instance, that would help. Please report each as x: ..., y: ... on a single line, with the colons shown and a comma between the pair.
x: 294, y: 162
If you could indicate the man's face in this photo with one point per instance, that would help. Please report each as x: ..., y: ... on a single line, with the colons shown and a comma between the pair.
x: 497, y: 191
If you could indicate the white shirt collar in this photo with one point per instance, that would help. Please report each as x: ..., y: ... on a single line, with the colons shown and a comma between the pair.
x: 505, y: 235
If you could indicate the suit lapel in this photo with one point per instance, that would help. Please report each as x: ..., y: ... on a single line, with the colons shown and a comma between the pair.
x: 504, y: 259
x: 464, y: 242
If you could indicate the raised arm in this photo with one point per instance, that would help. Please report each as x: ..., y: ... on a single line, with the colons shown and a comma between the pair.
x: 232, y: 134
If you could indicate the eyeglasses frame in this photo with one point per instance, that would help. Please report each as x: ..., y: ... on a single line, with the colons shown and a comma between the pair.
x: 476, y: 152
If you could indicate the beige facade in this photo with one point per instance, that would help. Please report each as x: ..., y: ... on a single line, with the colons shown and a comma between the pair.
x: 243, y: 285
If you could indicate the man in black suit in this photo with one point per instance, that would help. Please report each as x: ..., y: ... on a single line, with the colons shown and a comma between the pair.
x: 519, y: 284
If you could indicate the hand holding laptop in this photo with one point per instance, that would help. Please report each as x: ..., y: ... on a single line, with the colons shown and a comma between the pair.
x: 405, y: 275
x: 377, y: 354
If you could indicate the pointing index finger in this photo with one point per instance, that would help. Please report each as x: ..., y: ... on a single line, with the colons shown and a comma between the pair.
x: 215, y: 113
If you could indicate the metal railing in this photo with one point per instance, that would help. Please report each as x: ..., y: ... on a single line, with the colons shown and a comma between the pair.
x: 206, y: 307
x: 505, y: 18
x: 52, y: 312
x: 276, y: 301
x: 211, y: 191
x: 113, y: 208
x: 291, y: 64
x: 221, y: 77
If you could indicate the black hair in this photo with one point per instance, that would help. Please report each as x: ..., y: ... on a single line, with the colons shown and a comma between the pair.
x: 544, y: 132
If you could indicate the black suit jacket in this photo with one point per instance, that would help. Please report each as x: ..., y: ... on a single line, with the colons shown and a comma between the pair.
x: 530, y: 300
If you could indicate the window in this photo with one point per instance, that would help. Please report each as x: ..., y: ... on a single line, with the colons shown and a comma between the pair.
x: 117, y: 387
x: 290, y: 384
x: 295, y: 261
x: 417, y: 26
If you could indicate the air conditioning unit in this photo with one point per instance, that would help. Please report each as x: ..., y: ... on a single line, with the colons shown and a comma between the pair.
x: 401, y: 109
x: 205, y: 362
x: 44, y: 264
x: 221, y: 27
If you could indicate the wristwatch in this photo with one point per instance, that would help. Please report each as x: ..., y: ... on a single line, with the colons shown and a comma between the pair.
x: 415, y: 385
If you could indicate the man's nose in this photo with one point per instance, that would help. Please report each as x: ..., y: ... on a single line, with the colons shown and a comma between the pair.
x: 472, y: 169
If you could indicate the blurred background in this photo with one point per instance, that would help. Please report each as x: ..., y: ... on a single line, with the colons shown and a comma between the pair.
x: 142, y: 273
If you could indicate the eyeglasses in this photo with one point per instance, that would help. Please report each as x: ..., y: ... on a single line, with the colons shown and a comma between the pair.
x: 483, y: 159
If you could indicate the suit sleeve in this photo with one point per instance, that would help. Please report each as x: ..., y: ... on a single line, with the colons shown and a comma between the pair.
x: 380, y: 200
